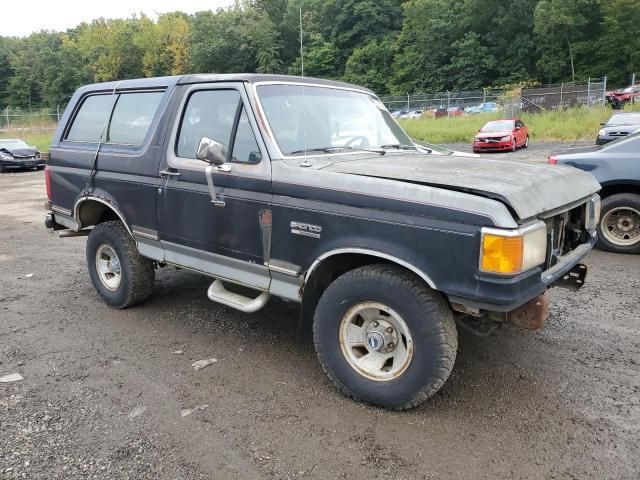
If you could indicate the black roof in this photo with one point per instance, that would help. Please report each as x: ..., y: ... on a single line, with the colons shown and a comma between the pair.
x: 165, y: 82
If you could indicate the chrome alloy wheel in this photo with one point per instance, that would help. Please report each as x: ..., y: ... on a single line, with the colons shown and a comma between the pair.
x: 621, y: 226
x: 375, y: 341
x: 108, y: 267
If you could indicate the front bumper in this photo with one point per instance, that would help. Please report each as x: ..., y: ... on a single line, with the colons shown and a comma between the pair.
x: 505, y: 294
x: 492, y: 146
x: 18, y: 164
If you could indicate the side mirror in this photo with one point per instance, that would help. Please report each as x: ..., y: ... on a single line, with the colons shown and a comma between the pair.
x: 602, y: 124
x: 211, y: 151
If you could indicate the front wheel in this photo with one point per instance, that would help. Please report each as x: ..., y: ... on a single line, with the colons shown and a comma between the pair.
x: 619, y: 228
x: 384, y: 337
x: 526, y: 142
x: 118, y: 272
x: 514, y: 145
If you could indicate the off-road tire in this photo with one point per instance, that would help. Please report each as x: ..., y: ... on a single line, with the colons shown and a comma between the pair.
x: 427, y: 316
x: 620, y: 200
x: 137, y: 272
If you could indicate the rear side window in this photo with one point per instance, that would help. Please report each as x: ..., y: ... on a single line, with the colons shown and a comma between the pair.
x: 128, y: 125
x: 132, y: 117
x: 91, y: 119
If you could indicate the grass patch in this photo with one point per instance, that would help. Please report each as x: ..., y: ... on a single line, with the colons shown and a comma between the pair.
x: 579, y: 123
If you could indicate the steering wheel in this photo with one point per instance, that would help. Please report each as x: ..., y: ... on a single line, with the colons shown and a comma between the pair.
x: 364, y: 141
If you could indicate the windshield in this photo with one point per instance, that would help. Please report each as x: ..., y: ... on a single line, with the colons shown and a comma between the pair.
x: 13, y: 144
x: 305, y: 118
x: 625, y: 119
x: 498, y: 126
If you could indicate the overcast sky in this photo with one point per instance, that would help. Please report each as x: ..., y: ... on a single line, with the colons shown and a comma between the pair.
x: 21, y: 17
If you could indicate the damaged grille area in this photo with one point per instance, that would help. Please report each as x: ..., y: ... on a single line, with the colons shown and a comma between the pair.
x: 565, y: 232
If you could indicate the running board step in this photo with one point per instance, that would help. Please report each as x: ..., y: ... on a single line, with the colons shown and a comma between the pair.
x: 217, y: 293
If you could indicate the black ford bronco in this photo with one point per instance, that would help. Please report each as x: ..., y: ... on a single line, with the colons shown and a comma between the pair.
x: 308, y: 190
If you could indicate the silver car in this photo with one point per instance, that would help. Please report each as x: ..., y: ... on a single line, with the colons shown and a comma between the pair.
x: 618, y: 126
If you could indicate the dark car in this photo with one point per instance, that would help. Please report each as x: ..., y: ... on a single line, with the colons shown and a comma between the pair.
x: 618, y: 126
x: 309, y: 190
x: 16, y: 154
x: 501, y: 135
x: 617, y: 167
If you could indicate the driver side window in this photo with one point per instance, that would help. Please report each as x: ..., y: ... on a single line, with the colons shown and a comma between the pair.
x: 209, y: 113
x: 212, y: 114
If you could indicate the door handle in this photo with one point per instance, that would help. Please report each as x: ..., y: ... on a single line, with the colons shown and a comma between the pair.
x: 169, y: 173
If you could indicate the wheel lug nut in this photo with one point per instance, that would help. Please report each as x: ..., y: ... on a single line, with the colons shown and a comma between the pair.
x: 389, y: 329
x: 375, y: 324
x: 391, y: 345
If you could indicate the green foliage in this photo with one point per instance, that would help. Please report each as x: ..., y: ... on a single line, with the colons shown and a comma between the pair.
x: 390, y: 46
x: 371, y: 65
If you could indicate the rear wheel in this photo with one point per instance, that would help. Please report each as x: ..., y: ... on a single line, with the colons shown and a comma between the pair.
x: 118, y: 272
x: 619, y: 228
x: 384, y: 337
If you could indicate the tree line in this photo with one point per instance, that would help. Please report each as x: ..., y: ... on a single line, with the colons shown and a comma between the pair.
x: 390, y: 46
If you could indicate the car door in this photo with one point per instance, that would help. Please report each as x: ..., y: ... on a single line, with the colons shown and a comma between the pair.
x: 217, y: 219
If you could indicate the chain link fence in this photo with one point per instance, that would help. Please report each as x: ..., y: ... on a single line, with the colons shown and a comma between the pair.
x: 443, y: 100
x: 530, y: 100
x: 14, y: 120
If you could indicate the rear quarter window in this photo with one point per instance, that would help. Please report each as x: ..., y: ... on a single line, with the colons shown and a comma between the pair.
x: 123, y: 119
x: 91, y: 119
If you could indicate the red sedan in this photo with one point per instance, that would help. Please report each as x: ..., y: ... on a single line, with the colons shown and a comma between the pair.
x: 500, y: 135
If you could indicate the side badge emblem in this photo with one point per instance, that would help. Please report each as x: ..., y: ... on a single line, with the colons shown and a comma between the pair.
x: 306, y: 229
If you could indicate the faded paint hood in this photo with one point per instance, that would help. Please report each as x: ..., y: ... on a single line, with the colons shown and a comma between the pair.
x: 527, y: 188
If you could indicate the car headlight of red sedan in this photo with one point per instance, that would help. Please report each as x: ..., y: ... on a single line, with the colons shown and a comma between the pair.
x: 505, y: 139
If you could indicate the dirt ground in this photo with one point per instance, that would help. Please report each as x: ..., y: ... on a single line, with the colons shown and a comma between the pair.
x: 103, y: 389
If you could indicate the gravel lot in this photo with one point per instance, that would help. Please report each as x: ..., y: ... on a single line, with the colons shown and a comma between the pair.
x: 103, y: 389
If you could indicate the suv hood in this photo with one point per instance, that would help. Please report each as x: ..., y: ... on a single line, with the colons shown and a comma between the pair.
x: 528, y: 189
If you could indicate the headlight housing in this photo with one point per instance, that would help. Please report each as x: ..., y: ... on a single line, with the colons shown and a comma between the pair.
x: 509, y: 252
x: 5, y: 156
x: 505, y: 139
x: 602, y: 132
x: 592, y: 213
x: 477, y: 139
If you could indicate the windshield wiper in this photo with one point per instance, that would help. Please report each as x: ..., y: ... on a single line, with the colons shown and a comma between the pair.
x: 398, y: 146
x: 338, y: 149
